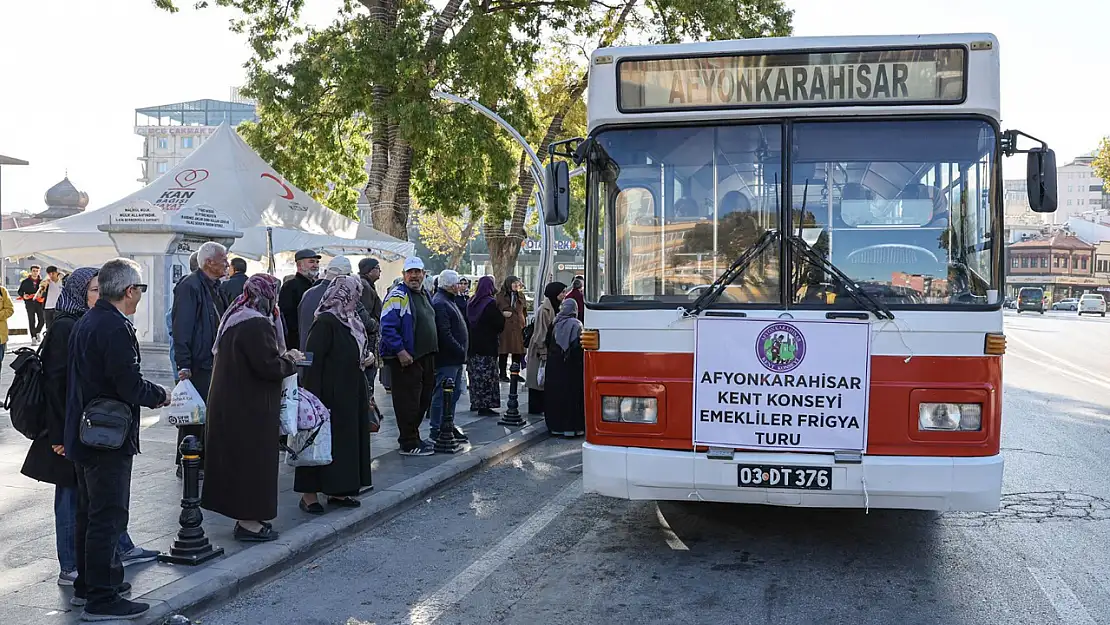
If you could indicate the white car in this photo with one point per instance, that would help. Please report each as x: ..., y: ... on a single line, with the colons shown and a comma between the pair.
x: 1092, y: 303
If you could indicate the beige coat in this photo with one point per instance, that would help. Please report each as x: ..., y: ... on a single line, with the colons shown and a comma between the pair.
x: 537, y: 349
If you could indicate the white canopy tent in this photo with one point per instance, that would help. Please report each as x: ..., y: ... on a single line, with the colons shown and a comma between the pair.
x: 226, y: 176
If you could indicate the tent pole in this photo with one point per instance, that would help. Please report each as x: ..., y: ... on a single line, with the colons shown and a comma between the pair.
x: 271, y: 264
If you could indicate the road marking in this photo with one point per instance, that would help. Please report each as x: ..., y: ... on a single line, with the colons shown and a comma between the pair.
x: 1063, y: 600
x: 1060, y: 370
x: 1094, y: 377
x: 455, y: 590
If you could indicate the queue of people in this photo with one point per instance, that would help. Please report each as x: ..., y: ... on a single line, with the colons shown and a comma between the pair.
x: 237, y: 339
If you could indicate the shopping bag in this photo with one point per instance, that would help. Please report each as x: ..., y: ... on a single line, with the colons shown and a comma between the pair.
x: 310, y: 448
x: 186, y: 406
x: 541, y: 373
x: 290, y: 405
x: 310, y: 411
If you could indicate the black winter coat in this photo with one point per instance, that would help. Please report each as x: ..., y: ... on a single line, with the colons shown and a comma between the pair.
x: 42, y: 463
x: 485, y: 335
x: 198, y: 304
x: 451, y: 330
x: 104, y: 362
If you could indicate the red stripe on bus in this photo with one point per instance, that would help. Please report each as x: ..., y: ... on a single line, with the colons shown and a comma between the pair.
x: 897, y: 388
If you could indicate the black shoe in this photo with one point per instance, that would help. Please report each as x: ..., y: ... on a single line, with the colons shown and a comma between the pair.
x: 488, y: 412
x: 315, y: 508
x: 266, y: 534
x: 79, y: 596
x: 120, y: 609
x: 459, y: 436
x: 344, y: 502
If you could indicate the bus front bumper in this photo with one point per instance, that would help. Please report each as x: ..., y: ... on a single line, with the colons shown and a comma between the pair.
x: 903, y: 482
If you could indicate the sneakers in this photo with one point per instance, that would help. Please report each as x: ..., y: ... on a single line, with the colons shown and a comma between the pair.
x: 79, y: 599
x: 459, y: 436
x: 424, y: 449
x: 118, y: 610
x: 138, y: 555
x: 66, y: 578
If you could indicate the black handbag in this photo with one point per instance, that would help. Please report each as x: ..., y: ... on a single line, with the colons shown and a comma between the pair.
x: 105, y: 424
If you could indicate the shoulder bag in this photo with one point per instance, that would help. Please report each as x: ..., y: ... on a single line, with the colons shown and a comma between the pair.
x: 105, y: 424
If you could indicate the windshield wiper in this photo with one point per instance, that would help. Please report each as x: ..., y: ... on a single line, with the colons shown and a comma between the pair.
x: 854, y: 289
x: 734, y: 271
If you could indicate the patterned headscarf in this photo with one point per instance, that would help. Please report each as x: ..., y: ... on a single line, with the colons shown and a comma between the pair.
x: 341, y: 300
x: 74, y: 298
x: 259, y: 299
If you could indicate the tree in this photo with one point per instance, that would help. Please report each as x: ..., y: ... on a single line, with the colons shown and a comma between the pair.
x: 380, y: 60
x: 445, y: 234
x: 1101, y: 164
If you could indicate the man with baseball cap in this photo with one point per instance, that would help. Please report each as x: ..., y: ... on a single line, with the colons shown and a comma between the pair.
x: 409, y: 345
x: 292, y: 291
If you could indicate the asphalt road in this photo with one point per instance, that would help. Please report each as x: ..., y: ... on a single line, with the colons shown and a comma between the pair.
x: 519, y: 543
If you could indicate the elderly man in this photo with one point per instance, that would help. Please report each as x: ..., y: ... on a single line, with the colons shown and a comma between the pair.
x: 104, y: 363
x: 451, y: 351
x: 409, y: 345
x: 292, y: 291
x: 198, y: 305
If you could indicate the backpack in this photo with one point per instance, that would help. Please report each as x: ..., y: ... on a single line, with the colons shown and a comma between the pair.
x: 27, y: 401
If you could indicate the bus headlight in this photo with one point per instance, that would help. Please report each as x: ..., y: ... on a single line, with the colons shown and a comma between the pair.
x: 629, y: 409
x: 950, y: 417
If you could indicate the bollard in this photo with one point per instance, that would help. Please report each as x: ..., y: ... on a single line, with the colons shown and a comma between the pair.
x: 446, y: 443
x: 191, y: 545
x: 512, y: 417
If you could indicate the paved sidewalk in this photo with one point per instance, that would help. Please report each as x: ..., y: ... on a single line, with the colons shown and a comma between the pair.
x: 28, y: 568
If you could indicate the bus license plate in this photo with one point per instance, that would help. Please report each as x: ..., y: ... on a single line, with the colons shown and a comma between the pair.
x: 801, y: 478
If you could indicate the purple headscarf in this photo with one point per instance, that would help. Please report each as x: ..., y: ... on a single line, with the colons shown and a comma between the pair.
x: 482, y: 299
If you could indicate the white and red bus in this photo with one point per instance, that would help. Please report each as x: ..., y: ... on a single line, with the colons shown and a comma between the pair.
x: 795, y: 266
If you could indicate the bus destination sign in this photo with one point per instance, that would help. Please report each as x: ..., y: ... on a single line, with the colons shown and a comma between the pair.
x: 932, y: 76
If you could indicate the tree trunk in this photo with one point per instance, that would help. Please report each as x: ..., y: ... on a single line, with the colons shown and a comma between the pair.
x: 502, y: 257
x: 464, y: 240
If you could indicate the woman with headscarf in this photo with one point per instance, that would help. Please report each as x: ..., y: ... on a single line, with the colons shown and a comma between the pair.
x: 566, y: 409
x: 537, y: 347
x: 242, y: 427
x: 340, y: 353
x: 510, y: 301
x: 46, y: 461
x: 486, y: 324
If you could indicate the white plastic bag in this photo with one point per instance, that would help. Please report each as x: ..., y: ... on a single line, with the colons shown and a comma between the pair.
x: 290, y: 405
x: 541, y: 373
x: 310, y: 448
x: 186, y: 406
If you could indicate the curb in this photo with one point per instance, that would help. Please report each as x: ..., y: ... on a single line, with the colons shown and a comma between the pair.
x: 226, y: 578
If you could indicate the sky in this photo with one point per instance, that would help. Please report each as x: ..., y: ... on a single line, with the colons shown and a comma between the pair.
x: 72, y: 73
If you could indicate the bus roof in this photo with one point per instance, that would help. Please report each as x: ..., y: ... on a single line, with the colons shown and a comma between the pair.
x: 794, y: 77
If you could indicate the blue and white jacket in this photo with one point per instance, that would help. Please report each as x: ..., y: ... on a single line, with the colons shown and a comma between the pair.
x: 398, y: 321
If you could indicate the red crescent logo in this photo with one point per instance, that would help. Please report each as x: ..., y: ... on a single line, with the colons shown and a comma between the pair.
x: 288, y: 192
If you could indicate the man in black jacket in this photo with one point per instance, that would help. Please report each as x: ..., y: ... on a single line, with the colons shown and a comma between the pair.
x: 292, y: 291
x: 104, y: 362
x: 233, y: 286
x: 198, y: 305
x: 370, y: 271
x: 453, y: 341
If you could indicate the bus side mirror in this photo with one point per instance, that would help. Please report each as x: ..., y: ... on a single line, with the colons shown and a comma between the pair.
x: 557, y: 200
x: 1041, y: 181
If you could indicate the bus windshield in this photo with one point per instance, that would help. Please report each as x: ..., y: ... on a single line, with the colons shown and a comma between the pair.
x: 903, y: 208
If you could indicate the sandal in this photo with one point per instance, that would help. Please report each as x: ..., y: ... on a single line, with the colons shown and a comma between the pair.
x: 315, y: 508
x: 265, y: 534
x: 344, y: 502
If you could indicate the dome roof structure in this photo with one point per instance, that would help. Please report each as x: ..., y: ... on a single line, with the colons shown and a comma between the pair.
x: 63, y: 200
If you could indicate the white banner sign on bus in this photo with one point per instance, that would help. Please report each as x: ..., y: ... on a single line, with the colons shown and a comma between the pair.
x: 781, y: 384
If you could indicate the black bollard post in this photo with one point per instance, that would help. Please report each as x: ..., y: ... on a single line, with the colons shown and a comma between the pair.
x: 446, y: 443
x: 191, y: 545
x: 512, y: 416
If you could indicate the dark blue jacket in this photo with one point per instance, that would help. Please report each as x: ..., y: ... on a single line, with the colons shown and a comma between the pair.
x: 451, y: 329
x: 104, y: 362
x: 198, y: 304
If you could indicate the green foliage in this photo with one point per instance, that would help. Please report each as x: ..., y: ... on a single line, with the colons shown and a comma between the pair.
x: 1101, y: 164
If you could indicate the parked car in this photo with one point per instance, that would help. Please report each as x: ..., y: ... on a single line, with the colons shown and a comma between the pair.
x: 1030, y: 298
x: 1092, y: 303
x: 1068, y: 303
